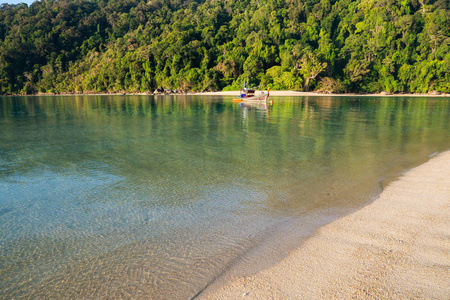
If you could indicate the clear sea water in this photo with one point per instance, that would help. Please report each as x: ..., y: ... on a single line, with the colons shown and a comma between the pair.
x: 162, y: 197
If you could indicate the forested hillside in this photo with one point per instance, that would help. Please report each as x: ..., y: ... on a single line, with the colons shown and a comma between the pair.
x: 135, y: 46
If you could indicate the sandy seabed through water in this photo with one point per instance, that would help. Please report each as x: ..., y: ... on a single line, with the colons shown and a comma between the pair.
x: 398, y: 247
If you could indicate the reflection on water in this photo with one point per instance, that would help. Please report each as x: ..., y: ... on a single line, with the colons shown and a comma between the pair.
x: 154, y: 197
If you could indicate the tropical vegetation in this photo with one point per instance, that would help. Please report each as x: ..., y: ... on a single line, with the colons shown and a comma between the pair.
x: 76, y: 46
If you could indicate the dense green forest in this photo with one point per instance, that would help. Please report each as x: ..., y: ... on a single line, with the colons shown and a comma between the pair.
x: 65, y: 46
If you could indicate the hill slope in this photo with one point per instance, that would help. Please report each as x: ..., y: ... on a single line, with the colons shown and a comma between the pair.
x: 131, y: 45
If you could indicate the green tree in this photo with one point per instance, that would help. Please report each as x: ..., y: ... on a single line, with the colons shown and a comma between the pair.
x: 310, y: 66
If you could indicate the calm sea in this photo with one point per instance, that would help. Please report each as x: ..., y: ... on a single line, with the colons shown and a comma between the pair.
x: 161, y: 197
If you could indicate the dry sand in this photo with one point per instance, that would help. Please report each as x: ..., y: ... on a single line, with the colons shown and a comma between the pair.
x: 236, y: 93
x: 398, y: 247
x: 304, y: 94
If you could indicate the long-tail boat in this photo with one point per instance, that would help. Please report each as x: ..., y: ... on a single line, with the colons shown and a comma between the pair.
x: 248, y: 94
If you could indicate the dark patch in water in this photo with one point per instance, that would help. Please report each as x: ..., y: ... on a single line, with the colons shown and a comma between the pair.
x: 4, y: 211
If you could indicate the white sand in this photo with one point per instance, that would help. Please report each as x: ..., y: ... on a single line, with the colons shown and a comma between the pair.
x: 236, y: 94
x: 295, y: 93
x: 398, y: 247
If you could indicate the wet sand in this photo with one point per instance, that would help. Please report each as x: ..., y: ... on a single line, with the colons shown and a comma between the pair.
x: 398, y: 247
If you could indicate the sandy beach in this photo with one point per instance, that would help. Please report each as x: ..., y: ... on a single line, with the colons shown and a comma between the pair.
x: 398, y: 247
x: 305, y: 94
x: 236, y: 93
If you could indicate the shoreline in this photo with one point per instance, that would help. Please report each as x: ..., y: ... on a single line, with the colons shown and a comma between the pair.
x: 236, y: 93
x: 316, y: 94
x: 395, y: 247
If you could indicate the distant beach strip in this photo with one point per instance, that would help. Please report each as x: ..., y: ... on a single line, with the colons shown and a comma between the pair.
x: 304, y: 94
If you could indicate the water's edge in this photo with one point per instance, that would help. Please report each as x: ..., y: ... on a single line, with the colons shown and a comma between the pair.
x: 256, y: 258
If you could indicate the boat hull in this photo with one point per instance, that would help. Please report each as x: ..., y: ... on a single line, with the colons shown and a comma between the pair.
x: 262, y: 97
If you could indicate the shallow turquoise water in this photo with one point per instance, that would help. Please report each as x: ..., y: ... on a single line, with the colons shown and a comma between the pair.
x: 156, y: 197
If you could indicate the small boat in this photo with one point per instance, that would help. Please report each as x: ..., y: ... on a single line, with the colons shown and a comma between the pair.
x: 248, y: 94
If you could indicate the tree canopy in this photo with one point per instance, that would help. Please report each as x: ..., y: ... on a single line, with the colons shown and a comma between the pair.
x: 65, y: 46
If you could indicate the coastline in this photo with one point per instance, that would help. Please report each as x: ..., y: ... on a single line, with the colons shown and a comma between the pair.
x: 236, y: 93
x: 396, y: 247
x: 305, y: 94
